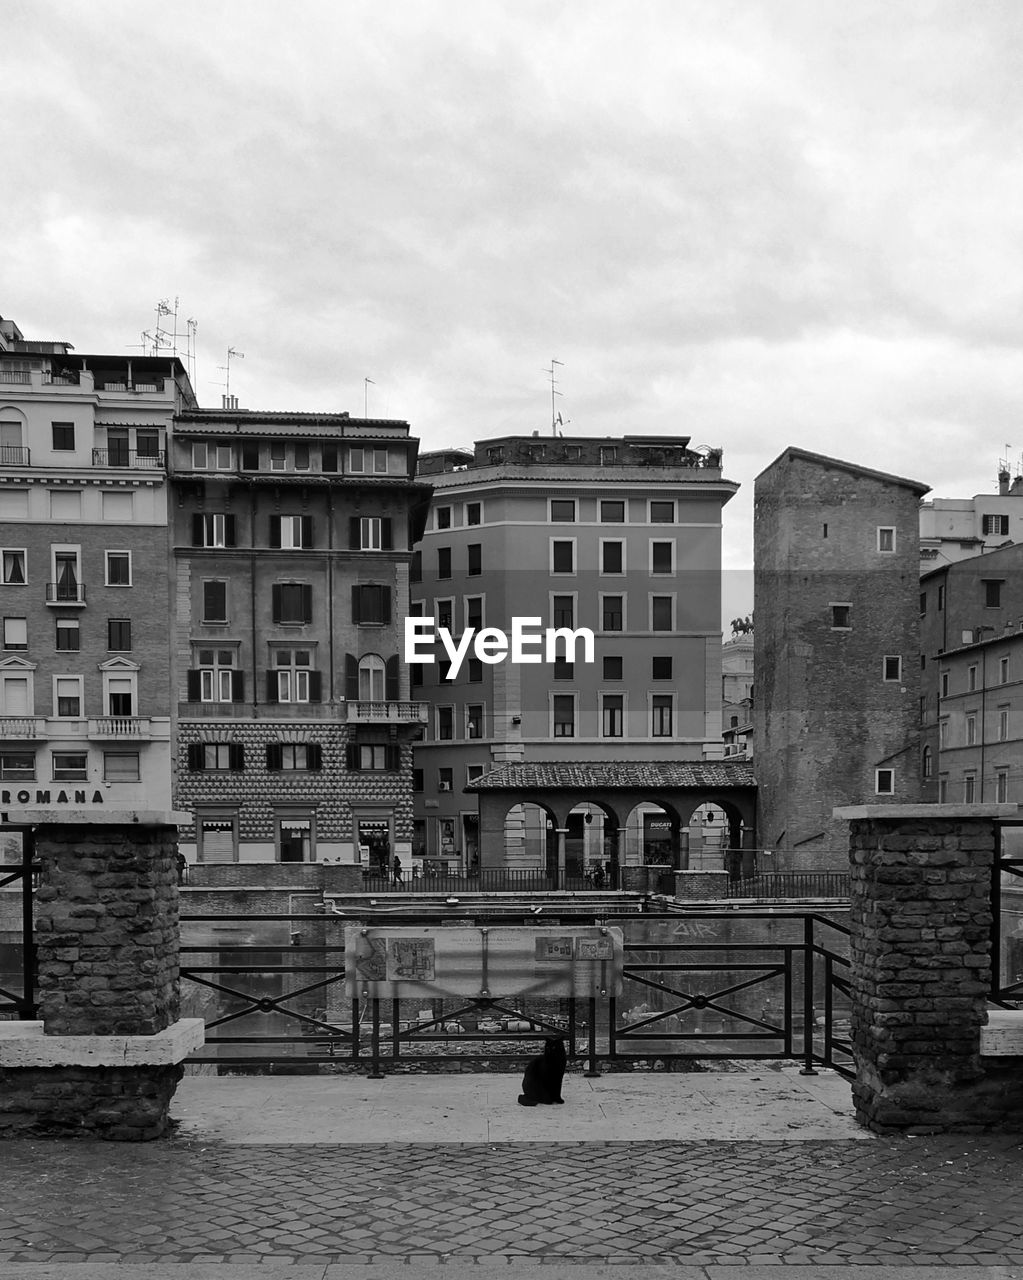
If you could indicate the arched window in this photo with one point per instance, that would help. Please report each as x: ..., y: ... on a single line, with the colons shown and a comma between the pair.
x: 371, y: 678
x: 927, y: 763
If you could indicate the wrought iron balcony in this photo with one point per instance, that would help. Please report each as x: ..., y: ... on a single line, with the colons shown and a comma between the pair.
x: 129, y: 459
x: 20, y: 727
x: 14, y: 455
x: 360, y: 712
x: 65, y: 594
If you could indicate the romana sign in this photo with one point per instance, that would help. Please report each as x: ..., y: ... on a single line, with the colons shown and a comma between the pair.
x: 40, y: 797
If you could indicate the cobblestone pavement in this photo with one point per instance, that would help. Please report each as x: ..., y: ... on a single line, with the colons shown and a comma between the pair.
x: 941, y: 1201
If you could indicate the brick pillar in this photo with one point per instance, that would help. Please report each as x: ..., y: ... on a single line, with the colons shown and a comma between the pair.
x: 105, y: 1058
x: 921, y: 970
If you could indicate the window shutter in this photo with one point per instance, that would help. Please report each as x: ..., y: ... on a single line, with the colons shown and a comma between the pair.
x: 385, y: 605
x: 273, y: 755
x: 307, y: 531
x: 354, y: 534
x: 229, y: 528
x: 352, y: 757
x: 272, y: 687
x: 391, y: 679
x: 314, y: 754
x: 237, y: 686
x: 198, y: 529
x: 307, y: 602
x: 235, y: 755
x: 356, y: 603
x: 275, y: 593
x: 194, y: 692
x: 315, y: 686
x: 386, y: 538
x: 275, y: 531
x: 195, y: 752
x: 392, y: 757
x: 351, y: 677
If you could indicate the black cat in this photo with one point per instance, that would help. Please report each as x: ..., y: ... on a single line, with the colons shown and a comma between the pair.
x: 542, y: 1080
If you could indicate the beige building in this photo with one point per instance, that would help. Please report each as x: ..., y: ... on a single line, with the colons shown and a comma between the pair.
x: 953, y: 529
x: 620, y: 536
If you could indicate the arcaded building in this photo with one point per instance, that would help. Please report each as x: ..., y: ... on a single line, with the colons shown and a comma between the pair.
x: 292, y: 538
x: 836, y: 649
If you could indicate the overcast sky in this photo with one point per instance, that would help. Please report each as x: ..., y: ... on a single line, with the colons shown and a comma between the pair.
x: 757, y: 224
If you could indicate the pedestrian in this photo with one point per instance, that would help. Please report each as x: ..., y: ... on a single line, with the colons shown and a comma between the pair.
x: 182, y: 868
x: 396, y: 869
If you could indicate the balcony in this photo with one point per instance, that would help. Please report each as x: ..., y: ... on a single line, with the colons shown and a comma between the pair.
x: 20, y: 727
x: 387, y: 712
x: 138, y: 728
x: 63, y: 595
x: 129, y: 459
x: 15, y: 377
x: 14, y: 455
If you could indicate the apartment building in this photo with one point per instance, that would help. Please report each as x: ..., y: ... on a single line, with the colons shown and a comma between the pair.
x: 618, y: 535
x: 85, y: 666
x: 953, y: 529
x: 292, y: 539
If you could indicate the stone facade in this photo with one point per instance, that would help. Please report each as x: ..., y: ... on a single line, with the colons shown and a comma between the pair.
x: 921, y: 972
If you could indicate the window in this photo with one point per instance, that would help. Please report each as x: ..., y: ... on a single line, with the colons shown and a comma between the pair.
x: 121, y: 766
x: 147, y: 443
x: 370, y: 757
x: 119, y: 635
x: 445, y: 779
x: 824, y: 530
x: 445, y: 723
x: 612, y: 613
x: 328, y: 458
x: 211, y: 756
x: 885, y: 539
x: 371, y: 604
x: 118, y: 447
x: 292, y: 602
x: 295, y: 839
x: 562, y: 555
x: 941, y: 598
x: 293, y: 756
x: 996, y: 526
x: 608, y: 455
x: 118, y: 569
x: 943, y: 790
x: 474, y: 612
x: 613, y: 667
x: 215, y: 679
x: 63, y: 435
x: 562, y: 510
x: 892, y: 668
x: 927, y: 763
x: 884, y: 782
x: 120, y: 695
x: 66, y: 505
x: 473, y: 512
x: 16, y: 695
x: 474, y: 720
x: 416, y: 567
x: 662, y: 557
x: 301, y: 457
x: 660, y: 667
x: 1003, y: 670
x: 474, y: 771
x: 474, y: 668
x: 992, y: 593
x: 372, y: 461
x: 370, y: 533
x: 969, y: 788
x: 372, y: 678
x: 971, y: 678
x: 69, y: 766
x: 418, y: 781
x: 291, y: 533
x: 67, y: 696
x: 278, y: 456
x: 942, y: 734
x: 971, y: 730
x: 662, y: 512
x: 944, y: 684
x: 563, y: 611
x: 923, y: 602
x: 612, y: 513
x: 841, y: 617
x: 474, y: 556
x: 444, y: 608
x: 661, y: 611
x: 218, y: 837
x: 612, y: 715
x: 563, y: 714
x: 1003, y: 724
x: 214, y: 601
x: 1002, y: 786
x: 213, y: 529
x: 292, y: 678
x: 661, y: 707
x: 612, y: 555
x: 66, y: 584
x: 200, y: 455
x: 495, y: 454
x: 443, y: 562
x: 443, y: 518
x: 563, y: 669
x: 17, y: 766
x: 13, y: 562
x: 15, y: 633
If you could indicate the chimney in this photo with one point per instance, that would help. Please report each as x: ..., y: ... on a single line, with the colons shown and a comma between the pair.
x: 1003, y: 484
x: 228, y: 402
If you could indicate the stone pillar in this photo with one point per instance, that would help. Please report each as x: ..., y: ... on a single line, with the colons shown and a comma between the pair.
x: 562, y: 834
x: 921, y: 970
x: 104, y: 1060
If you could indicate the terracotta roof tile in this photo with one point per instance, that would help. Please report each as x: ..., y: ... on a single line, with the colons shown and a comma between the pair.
x: 620, y: 775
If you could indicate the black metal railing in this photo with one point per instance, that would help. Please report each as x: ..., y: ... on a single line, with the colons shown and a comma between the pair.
x: 731, y: 983
x: 486, y: 880
x: 129, y: 458
x: 65, y: 593
x: 1007, y: 918
x: 791, y: 884
x: 18, y: 967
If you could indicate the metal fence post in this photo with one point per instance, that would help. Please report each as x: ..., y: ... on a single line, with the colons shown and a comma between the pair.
x: 807, y: 1068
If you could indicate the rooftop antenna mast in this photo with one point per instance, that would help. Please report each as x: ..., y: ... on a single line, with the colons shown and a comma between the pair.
x: 555, y: 416
x: 190, y: 328
x: 231, y: 354
x: 366, y: 384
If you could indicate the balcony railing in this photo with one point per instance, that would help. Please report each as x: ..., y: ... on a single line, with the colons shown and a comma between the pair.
x: 65, y: 593
x: 119, y: 727
x: 360, y: 712
x: 128, y: 458
x: 14, y: 455
x: 18, y: 377
x: 20, y: 726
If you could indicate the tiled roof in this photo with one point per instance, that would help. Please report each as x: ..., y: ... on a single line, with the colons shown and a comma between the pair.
x: 618, y: 775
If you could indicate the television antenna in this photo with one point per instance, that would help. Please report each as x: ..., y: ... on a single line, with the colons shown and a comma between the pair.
x: 231, y: 355
x: 366, y: 384
x: 555, y: 416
